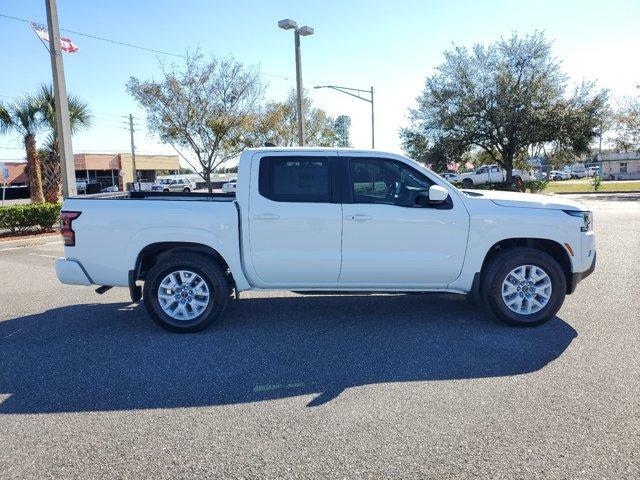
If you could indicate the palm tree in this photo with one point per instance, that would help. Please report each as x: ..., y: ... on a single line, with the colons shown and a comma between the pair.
x: 22, y: 117
x: 79, y: 117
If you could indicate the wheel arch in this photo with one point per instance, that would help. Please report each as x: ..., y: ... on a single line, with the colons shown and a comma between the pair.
x: 551, y: 247
x: 154, y: 252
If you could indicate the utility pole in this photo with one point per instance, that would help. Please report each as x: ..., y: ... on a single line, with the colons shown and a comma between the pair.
x: 373, y: 135
x: 299, y: 90
x: 62, y: 106
x: 133, y: 154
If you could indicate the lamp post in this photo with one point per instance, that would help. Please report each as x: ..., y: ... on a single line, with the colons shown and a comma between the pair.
x: 288, y: 24
x: 358, y: 91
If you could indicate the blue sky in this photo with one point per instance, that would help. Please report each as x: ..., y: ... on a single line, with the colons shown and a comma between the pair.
x: 390, y: 45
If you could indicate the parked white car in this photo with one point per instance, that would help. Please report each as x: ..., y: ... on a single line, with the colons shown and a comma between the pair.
x: 313, y: 219
x: 593, y: 171
x: 229, y: 187
x: 451, y: 177
x: 577, y: 170
x: 559, y: 175
x: 490, y: 174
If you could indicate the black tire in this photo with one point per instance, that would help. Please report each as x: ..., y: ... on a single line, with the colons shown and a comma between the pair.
x: 197, y: 263
x: 165, y: 190
x: 186, y: 190
x: 502, y: 264
x: 467, y: 183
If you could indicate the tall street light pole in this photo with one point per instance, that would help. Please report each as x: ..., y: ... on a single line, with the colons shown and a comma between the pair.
x: 288, y: 24
x: 356, y: 92
x: 62, y: 106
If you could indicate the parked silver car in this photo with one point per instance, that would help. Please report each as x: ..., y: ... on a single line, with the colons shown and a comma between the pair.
x: 173, y: 185
x: 229, y: 187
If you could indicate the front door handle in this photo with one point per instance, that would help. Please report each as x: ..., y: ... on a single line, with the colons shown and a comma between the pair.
x: 358, y: 217
x: 266, y: 216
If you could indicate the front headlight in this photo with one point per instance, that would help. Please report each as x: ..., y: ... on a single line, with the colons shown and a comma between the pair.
x: 587, y: 219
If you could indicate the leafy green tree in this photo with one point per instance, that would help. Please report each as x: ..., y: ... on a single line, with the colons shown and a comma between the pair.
x: 504, y: 97
x: 341, y: 127
x: 22, y: 117
x: 277, y: 124
x: 436, y: 154
x: 626, y: 126
x: 79, y: 118
x: 207, y: 107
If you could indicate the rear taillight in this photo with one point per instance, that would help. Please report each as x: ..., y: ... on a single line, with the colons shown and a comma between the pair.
x: 66, y: 221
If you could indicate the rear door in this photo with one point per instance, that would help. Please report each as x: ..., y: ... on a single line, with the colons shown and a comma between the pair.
x: 295, y: 221
x: 392, y: 239
x: 495, y: 174
x: 481, y: 176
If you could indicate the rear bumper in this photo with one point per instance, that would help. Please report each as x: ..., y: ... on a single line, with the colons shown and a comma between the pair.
x: 577, y: 277
x: 71, y: 272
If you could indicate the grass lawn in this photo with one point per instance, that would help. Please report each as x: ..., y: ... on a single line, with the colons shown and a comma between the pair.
x: 571, y: 186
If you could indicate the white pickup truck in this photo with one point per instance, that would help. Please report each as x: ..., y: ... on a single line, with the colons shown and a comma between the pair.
x: 490, y: 174
x: 311, y: 219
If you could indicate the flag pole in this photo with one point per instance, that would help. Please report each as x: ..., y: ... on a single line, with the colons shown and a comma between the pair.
x: 63, y: 128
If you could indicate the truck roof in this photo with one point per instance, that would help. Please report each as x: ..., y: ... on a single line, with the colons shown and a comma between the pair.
x: 320, y: 149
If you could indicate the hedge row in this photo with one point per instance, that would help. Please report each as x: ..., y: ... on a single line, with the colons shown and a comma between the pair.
x: 532, y: 185
x: 38, y: 217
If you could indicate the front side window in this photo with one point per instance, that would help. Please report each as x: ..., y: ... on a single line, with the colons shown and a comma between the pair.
x: 295, y: 179
x: 386, y: 181
x: 482, y: 170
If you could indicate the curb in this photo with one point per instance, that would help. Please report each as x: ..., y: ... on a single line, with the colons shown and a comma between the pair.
x: 611, y: 192
x: 27, y: 242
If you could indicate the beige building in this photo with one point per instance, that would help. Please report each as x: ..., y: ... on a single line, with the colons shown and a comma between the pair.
x: 620, y: 166
x: 109, y: 169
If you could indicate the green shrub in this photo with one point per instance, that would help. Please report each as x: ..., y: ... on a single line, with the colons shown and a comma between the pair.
x: 596, y: 181
x: 39, y: 217
x: 532, y: 185
x: 535, y: 185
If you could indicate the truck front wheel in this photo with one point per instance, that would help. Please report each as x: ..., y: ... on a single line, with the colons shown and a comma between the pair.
x: 185, y: 293
x: 467, y: 183
x: 524, y: 286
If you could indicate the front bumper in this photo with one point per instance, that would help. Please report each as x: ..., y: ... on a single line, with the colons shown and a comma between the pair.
x: 71, y: 272
x: 577, y: 277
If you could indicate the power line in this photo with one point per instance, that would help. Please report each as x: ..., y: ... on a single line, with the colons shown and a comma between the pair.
x: 131, y: 45
x: 117, y: 42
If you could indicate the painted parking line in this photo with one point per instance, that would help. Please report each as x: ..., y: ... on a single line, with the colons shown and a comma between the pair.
x: 43, y: 255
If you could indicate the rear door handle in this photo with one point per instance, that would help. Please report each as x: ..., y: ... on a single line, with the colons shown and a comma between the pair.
x: 358, y: 218
x: 266, y: 216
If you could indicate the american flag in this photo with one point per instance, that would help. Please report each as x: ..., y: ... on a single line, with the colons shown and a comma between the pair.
x: 65, y: 44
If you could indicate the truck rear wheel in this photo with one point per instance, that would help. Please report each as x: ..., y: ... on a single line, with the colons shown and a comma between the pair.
x: 523, y: 286
x: 185, y: 293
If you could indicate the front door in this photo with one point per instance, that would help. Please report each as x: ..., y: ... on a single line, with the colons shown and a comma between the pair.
x: 391, y: 237
x: 294, y: 228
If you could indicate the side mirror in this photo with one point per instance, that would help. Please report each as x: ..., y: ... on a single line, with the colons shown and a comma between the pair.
x: 437, y: 194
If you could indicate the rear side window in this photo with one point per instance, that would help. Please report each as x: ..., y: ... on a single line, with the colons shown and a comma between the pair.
x: 295, y: 179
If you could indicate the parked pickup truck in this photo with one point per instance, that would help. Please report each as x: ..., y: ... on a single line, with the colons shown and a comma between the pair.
x: 328, y: 220
x: 489, y: 174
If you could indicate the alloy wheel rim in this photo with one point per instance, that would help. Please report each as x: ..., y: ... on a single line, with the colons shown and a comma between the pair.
x: 183, y: 295
x: 526, y: 289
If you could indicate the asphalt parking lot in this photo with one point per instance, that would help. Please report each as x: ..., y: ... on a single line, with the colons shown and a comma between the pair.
x: 289, y: 386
